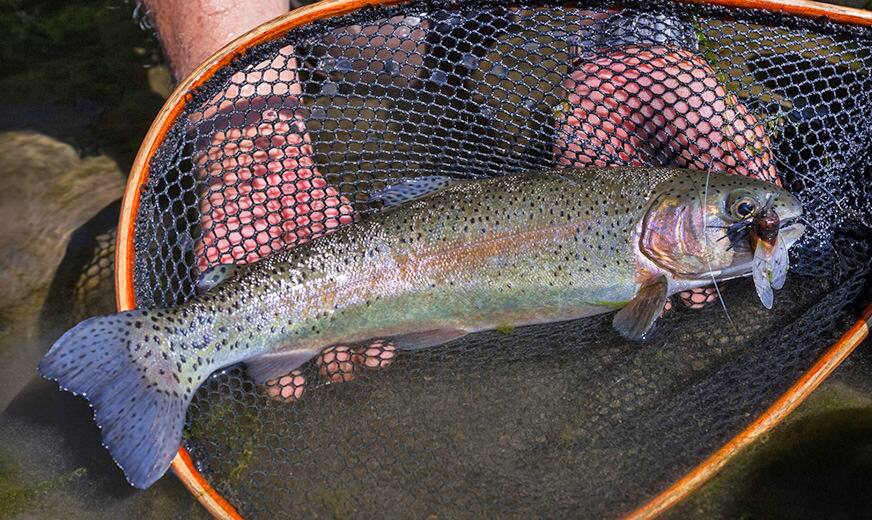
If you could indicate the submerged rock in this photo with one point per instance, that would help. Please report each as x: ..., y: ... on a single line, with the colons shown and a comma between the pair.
x: 57, y: 218
x: 49, y: 192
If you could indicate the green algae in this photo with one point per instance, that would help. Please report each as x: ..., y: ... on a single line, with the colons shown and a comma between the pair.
x: 79, y: 71
x: 39, y: 51
x: 14, y: 495
x: 242, y: 463
x: 505, y: 329
x: 227, y: 417
x: 707, y: 48
x: 236, y: 429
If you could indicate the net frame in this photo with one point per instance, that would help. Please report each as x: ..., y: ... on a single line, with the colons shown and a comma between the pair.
x: 183, y: 465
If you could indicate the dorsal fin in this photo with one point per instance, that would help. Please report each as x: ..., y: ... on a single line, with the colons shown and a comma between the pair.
x: 214, y: 276
x: 411, y: 189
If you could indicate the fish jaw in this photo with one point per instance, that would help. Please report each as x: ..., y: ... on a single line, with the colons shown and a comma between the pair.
x: 791, y: 234
x: 742, y: 265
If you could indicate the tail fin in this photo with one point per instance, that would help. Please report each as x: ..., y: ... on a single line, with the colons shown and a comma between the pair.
x: 138, y: 400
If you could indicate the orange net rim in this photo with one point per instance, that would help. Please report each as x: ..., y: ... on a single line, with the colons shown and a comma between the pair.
x: 125, y: 296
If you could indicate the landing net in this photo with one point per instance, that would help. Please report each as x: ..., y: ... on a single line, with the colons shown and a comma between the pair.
x: 288, y: 140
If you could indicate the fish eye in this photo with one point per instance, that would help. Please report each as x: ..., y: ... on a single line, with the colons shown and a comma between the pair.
x: 743, y: 207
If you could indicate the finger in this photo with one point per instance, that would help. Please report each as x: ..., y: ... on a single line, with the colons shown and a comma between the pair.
x: 648, y: 105
x: 380, y: 354
x: 698, y: 298
x: 335, y: 364
x: 287, y: 388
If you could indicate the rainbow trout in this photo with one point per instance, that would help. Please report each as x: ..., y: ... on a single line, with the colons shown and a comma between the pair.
x: 448, y: 258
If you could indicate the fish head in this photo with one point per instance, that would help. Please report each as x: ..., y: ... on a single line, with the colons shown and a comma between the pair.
x: 698, y: 226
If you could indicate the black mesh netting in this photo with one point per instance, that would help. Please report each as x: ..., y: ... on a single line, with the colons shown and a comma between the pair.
x: 287, y: 142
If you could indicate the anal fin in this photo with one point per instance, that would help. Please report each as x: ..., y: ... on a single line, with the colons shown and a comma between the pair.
x: 637, y: 318
x: 428, y: 338
x: 270, y: 366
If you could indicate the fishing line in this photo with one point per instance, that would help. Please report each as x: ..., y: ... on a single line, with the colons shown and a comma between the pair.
x: 705, y: 246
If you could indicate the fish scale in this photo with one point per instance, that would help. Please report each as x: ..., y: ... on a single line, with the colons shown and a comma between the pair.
x: 435, y: 265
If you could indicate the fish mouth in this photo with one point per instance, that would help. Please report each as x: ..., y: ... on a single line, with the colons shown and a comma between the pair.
x: 789, y: 214
x: 791, y: 232
x: 743, y: 258
x: 741, y: 266
x: 789, y: 211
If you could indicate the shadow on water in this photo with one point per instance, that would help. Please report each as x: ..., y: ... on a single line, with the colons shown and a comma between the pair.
x: 68, y: 301
x: 50, y: 449
x: 80, y: 73
x: 40, y: 402
x: 820, y: 467
x: 42, y: 405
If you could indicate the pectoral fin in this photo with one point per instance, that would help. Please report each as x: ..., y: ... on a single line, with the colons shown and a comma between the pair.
x: 637, y: 319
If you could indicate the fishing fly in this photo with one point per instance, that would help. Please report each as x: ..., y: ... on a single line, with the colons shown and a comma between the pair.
x: 771, y: 260
x: 760, y: 225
